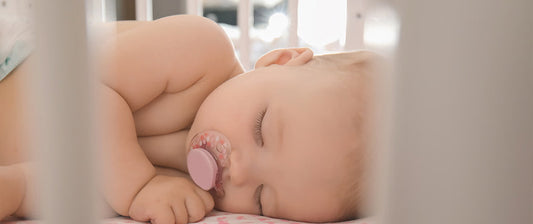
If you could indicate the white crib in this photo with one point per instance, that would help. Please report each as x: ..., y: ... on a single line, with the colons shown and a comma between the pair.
x: 449, y: 163
x: 354, y: 20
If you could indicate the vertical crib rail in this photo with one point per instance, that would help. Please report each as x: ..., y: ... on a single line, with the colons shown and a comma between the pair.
x: 102, y: 10
x: 245, y: 21
x: 463, y: 127
x: 195, y: 7
x: 293, y: 24
x: 354, y: 24
x: 143, y: 10
x: 98, y: 10
x: 62, y: 105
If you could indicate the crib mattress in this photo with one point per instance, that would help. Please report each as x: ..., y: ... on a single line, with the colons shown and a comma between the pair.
x: 214, y: 217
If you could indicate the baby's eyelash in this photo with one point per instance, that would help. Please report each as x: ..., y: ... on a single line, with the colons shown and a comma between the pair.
x: 258, y: 125
x: 258, y: 198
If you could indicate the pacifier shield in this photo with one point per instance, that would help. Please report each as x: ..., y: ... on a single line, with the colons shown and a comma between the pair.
x: 202, y: 168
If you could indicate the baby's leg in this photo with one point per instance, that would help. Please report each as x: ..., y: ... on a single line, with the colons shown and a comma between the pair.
x: 12, y: 189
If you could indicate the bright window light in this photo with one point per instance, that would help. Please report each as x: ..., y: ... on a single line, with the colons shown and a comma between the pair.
x: 321, y: 22
x: 381, y: 28
x: 277, y: 25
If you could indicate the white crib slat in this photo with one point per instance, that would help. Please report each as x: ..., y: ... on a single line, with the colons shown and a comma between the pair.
x: 355, y: 15
x: 99, y: 10
x: 195, y: 7
x: 96, y: 10
x: 245, y: 21
x: 108, y: 10
x: 61, y: 94
x: 143, y: 10
x: 293, y: 26
x: 463, y: 148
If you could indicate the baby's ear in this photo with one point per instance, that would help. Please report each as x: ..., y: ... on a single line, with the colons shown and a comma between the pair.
x: 287, y: 56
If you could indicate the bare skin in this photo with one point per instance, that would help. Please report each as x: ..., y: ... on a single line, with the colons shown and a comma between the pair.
x: 146, y: 118
x: 290, y: 122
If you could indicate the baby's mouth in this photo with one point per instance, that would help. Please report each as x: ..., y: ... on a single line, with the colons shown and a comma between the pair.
x: 219, y: 147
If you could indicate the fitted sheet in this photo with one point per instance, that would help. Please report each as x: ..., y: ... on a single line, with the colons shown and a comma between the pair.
x: 215, y: 217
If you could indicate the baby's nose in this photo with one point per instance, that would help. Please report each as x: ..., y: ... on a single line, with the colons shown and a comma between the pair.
x: 240, y: 170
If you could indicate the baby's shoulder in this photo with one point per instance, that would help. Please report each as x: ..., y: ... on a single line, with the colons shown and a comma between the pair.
x: 206, y: 52
x: 169, y: 55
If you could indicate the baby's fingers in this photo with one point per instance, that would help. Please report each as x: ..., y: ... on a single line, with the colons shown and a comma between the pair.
x: 180, y: 212
x: 163, y: 215
x: 207, y: 199
x: 195, y: 208
x: 156, y: 214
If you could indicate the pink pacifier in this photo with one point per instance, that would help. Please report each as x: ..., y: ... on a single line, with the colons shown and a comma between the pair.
x: 202, y: 168
x: 207, y: 158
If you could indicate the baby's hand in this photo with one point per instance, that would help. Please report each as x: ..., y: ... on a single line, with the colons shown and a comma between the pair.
x: 168, y: 200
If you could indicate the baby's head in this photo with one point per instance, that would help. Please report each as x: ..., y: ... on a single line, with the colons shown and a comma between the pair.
x: 296, y: 129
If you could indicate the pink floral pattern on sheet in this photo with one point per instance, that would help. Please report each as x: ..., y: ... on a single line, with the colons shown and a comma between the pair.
x: 215, y: 217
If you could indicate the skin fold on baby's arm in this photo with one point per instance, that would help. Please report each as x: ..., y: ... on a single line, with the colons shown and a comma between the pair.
x: 147, y: 64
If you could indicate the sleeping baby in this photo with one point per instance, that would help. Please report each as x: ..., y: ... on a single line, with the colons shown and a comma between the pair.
x: 185, y: 129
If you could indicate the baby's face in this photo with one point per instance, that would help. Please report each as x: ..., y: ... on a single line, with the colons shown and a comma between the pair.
x: 289, y: 131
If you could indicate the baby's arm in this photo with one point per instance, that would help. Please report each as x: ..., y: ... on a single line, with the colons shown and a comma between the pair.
x: 167, y: 55
x: 126, y: 167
